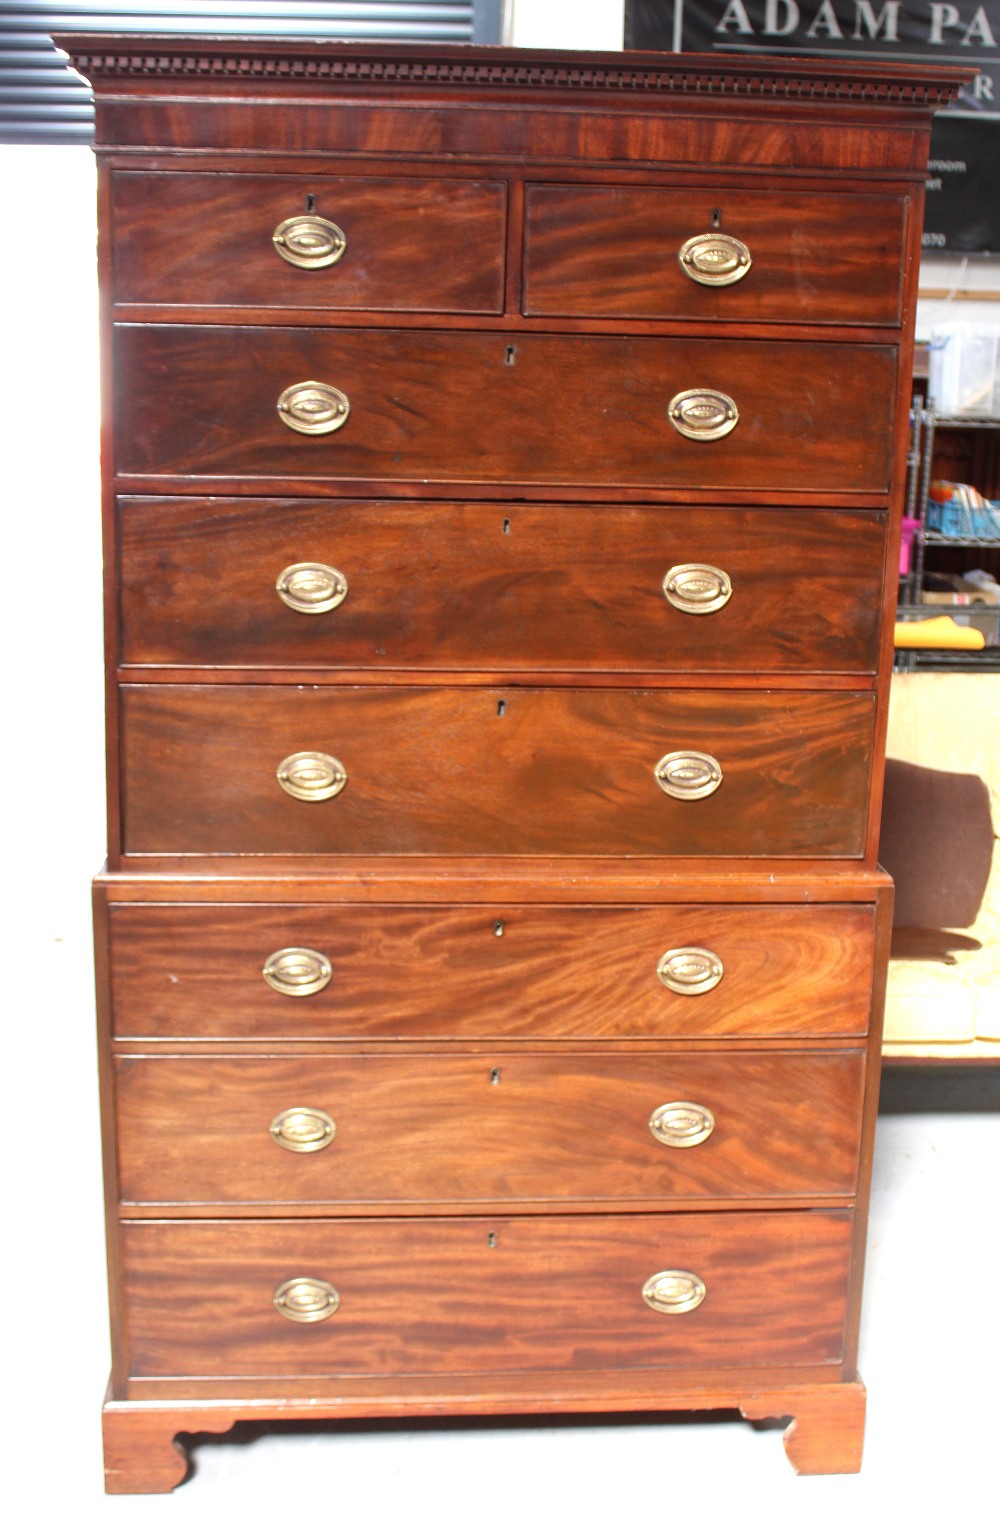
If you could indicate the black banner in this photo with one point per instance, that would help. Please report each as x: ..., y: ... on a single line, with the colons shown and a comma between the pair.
x: 963, y: 185
x: 963, y: 196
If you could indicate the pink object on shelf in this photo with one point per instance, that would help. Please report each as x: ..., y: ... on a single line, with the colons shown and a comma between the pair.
x: 910, y: 528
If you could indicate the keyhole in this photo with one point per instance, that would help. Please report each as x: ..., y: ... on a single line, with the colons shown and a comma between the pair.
x: 495, y: 1077
x: 716, y: 217
x: 498, y: 928
x: 501, y: 707
x: 491, y: 1238
x: 509, y: 355
x: 506, y: 527
x: 310, y: 203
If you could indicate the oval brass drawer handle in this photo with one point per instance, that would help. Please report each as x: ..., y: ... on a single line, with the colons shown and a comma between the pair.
x: 313, y: 408
x: 702, y: 413
x: 306, y: 1300
x: 697, y: 588
x: 681, y: 1125
x: 690, y: 972
x: 303, y: 1129
x: 297, y: 972
x: 310, y: 242
x: 311, y: 588
x: 311, y: 776
x: 688, y: 776
x: 714, y: 259
x: 674, y: 1291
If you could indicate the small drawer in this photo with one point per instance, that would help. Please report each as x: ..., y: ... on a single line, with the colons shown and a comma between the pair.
x: 271, y: 769
x: 503, y: 972
x: 713, y: 254
x: 445, y: 1131
x: 472, y: 1296
x: 349, y: 405
x: 318, y: 241
x: 526, y: 588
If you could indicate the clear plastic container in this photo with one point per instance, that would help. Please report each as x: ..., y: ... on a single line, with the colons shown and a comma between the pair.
x: 965, y: 370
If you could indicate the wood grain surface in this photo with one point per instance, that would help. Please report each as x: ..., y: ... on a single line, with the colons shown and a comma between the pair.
x: 501, y: 875
x: 694, y: 135
x: 145, y: 1455
x: 468, y: 586
x: 475, y: 1131
x: 475, y: 1295
x: 418, y: 245
x: 502, y: 971
x: 613, y: 251
x: 484, y: 771
x: 827, y: 1432
x: 475, y: 407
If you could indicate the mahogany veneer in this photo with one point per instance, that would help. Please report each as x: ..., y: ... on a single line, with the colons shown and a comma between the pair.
x: 459, y: 270
x: 501, y: 1128
x: 532, y: 973
x: 464, y: 771
x: 503, y: 1080
x: 465, y: 1295
x: 596, y: 251
x: 521, y: 587
x: 581, y: 410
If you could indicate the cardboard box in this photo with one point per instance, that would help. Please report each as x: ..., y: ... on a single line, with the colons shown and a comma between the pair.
x: 940, y: 824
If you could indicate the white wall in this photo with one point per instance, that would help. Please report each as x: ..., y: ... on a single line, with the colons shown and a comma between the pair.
x: 50, y: 412
x: 596, y: 24
x: 959, y: 280
x: 53, y: 835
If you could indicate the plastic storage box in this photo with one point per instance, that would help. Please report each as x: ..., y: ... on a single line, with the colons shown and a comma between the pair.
x: 965, y: 370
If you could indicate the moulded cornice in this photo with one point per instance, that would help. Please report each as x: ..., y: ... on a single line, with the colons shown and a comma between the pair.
x: 101, y: 56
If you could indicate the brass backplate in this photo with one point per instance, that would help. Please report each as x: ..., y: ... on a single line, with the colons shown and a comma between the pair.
x: 697, y: 588
x: 688, y: 775
x: 313, y: 408
x: 311, y: 588
x: 303, y: 1130
x: 311, y: 776
x: 714, y: 259
x: 690, y: 971
x: 681, y: 1125
x: 306, y: 1300
x: 703, y: 413
x: 674, y: 1292
x: 297, y: 972
x: 309, y: 241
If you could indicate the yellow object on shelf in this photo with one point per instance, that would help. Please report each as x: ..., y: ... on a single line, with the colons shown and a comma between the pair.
x: 939, y: 631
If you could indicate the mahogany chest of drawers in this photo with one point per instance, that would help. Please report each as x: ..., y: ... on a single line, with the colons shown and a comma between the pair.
x: 502, y: 473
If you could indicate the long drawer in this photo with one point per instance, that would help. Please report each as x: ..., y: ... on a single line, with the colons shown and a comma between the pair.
x: 235, y: 582
x: 473, y: 1295
x: 366, y: 242
x: 481, y: 771
x: 514, y: 972
x: 425, y: 407
x: 761, y: 256
x: 464, y: 1131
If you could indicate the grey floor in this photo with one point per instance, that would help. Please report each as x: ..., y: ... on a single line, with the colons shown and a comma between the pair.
x: 931, y: 1333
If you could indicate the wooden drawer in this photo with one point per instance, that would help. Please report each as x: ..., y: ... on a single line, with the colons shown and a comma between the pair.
x: 443, y: 1130
x: 482, y: 771
x: 476, y: 408
x: 514, y: 972
x: 412, y: 245
x: 613, y: 251
x: 484, y: 1295
x: 519, y: 587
